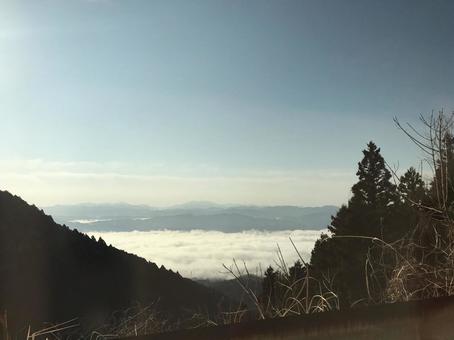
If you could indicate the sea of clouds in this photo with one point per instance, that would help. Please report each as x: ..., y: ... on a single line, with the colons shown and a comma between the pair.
x: 201, y: 254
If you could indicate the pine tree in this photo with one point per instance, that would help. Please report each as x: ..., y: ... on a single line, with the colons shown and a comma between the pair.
x: 411, y: 187
x: 373, y: 197
x: 374, y: 187
x: 296, y: 272
x: 403, y: 216
x: 269, y: 285
x: 369, y: 213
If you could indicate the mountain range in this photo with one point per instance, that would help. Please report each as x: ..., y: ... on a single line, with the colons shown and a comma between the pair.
x: 192, y: 215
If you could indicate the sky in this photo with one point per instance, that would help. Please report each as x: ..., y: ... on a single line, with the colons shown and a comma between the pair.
x: 247, y: 102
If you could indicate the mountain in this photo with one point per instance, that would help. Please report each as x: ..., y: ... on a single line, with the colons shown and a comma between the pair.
x: 197, y: 205
x: 50, y: 273
x: 194, y: 215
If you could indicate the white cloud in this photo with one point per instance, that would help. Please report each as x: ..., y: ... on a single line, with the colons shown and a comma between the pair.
x: 200, y: 254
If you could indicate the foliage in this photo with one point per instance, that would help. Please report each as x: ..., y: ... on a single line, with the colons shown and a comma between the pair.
x: 420, y: 265
x: 393, y: 243
x: 287, y: 290
x: 370, y: 212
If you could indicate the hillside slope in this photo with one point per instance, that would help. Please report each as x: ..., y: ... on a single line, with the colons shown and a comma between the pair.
x: 51, y: 273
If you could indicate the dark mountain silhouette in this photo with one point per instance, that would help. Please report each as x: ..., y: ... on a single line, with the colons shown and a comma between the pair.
x: 51, y: 273
x: 123, y: 217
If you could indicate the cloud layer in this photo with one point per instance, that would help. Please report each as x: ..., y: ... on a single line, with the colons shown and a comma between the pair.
x: 200, y: 254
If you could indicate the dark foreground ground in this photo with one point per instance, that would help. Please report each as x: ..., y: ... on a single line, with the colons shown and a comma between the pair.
x: 427, y: 319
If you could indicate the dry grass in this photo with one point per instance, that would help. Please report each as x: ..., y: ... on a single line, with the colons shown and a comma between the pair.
x: 295, y: 296
x: 134, y: 321
x: 411, y: 268
x: 421, y: 265
x: 57, y: 331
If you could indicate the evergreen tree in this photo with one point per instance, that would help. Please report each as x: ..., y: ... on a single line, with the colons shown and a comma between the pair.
x: 411, y: 187
x: 269, y: 285
x: 296, y: 272
x: 374, y: 187
x: 369, y: 213
x: 405, y: 215
x: 372, y: 199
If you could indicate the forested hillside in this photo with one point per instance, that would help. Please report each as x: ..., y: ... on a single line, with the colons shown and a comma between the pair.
x: 51, y: 273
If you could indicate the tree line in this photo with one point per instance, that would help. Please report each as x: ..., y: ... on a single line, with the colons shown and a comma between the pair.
x: 390, y: 223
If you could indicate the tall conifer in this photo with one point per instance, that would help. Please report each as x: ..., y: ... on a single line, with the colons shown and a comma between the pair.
x: 368, y: 213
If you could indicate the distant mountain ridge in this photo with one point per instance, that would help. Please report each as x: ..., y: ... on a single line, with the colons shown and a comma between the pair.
x: 198, y: 205
x: 50, y: 273
x: 193, y: 215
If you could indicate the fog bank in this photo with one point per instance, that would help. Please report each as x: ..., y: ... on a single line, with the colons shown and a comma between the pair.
x: 200, y: 254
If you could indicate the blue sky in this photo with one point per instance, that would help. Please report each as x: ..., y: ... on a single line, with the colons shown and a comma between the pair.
x: 261, y: 102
